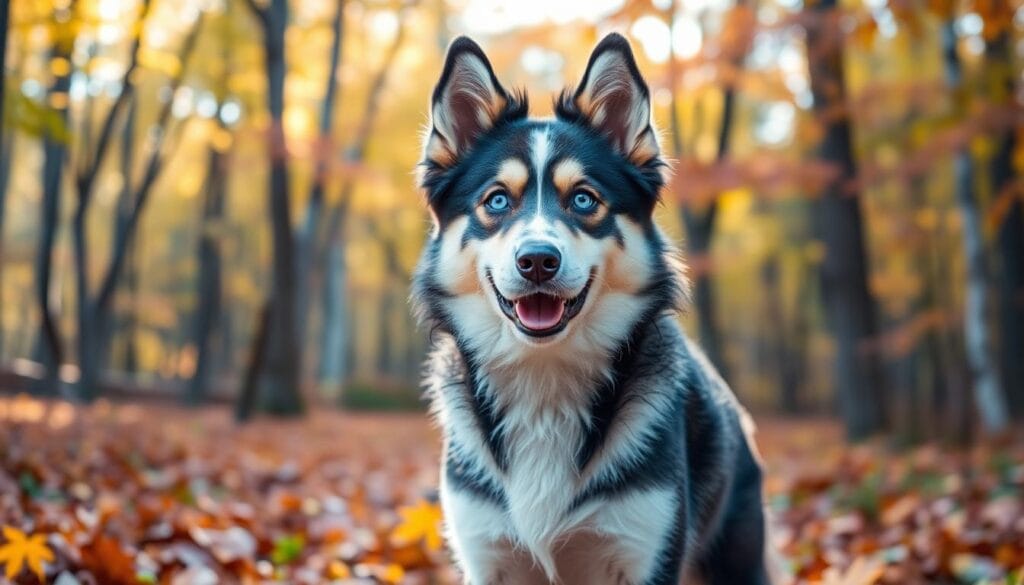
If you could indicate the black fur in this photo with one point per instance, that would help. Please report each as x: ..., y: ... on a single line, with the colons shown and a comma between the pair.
x: 698, y: 447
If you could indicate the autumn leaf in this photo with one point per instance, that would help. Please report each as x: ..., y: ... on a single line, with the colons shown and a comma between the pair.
x: 420, y: 522
x: 287, y: 549
x: 863, y: 571
x: 21, y: 549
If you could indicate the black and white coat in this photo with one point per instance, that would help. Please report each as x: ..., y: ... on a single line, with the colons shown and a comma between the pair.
x: 608, y: 451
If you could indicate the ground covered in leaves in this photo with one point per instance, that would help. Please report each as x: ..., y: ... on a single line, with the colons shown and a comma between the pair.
x: 119, y: 494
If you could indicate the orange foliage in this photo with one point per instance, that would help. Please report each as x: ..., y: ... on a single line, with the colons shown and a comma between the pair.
x: 159, y: 495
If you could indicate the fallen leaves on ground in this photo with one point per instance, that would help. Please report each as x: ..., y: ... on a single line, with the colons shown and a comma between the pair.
x: 123, y: 494
x: 21, y: 550
x: 420, y: 523
x: 864, y: 515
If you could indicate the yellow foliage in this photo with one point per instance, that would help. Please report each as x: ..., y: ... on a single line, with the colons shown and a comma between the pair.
x: 421, y: 522
x: 734, y: 209
x: 338, y: 570
x: 60, y: 66
x: 21, y: 550
x: 221, y: 140
x: 150, y: 349
x: 164, y: 62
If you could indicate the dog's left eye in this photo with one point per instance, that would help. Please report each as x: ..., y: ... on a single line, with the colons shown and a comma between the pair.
x: 583, y: 201
x: 497, y: 201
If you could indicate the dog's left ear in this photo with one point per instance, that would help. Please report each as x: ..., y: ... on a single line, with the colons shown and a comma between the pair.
x: 613, y: 98
x: 467, y: 102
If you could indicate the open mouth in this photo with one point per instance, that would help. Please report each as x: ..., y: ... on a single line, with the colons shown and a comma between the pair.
x: 541, y: 314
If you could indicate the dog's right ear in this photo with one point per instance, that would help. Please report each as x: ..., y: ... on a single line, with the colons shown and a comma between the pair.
x: 613, y: 98
x: 467, y: 101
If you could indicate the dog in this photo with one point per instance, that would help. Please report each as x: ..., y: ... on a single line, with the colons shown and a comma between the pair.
x: 586, y: 439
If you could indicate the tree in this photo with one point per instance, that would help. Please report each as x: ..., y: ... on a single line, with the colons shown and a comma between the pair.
x: 6, y: 141
x: 209, y: 293
x: 1010, y: 233
x: 312, y: 223
x: 5, y: 12
x: 699, y: 221
x: 54, y: 153
x: 389, y: 362
x: 279, y: 368
x: 988, y: 391
x: 334, y: 347
x: 94, y: 307
x: 209, y: 286
x: 849, y: 307
x: 124, y: 211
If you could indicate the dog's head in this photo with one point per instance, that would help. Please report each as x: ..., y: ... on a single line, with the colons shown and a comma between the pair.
x: 543, y: 231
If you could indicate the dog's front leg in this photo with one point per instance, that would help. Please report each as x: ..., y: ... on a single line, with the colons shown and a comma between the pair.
x: 639, y: 526
x: 477, y: 532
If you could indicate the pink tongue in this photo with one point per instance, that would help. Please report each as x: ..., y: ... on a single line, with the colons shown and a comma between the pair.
x: 539, y: 311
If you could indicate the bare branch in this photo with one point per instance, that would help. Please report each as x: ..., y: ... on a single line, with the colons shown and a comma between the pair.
x: 257, y: 11
x: 155, y: 164
x: 87, y: 174
x: 357, y: 149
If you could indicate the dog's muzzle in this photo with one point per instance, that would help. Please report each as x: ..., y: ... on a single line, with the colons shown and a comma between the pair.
x: 541, y: 314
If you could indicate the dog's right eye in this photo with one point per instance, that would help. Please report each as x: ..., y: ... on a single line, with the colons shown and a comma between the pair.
x: 497, y: 202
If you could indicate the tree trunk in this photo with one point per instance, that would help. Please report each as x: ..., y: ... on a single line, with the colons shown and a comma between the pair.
x: 54, y: 152
x: 988, y: 391
x: 387, y: 365
x: 281, y: 392
x: 335, y: 347
x: 5, y: 8
x: 5, y: 150
x: 312, y: 223
x: 209, y: 282
x: 247, y: 400
x: 849, y: 307
x: 699, y: 231
x: 385, y: 341
x: 129, y: 322
x: 954, y: 411
x: 978, y: 336
x: 94, y: 319
x: 6, y: 154
x: 334, y: 365
x: 1010, y: 236
x: 126, y: 322
x: 779, y: 352
x: 1010, y: 240
x: 700, y: 223
x: 794, y: 367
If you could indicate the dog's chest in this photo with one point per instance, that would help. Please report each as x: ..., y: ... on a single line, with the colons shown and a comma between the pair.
x: 541, y: 480
x: 543, y: 427
x: 542, y: 473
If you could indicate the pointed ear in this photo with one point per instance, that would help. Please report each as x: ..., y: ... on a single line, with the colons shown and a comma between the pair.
x: 467, y: 101
x: 613, y: 98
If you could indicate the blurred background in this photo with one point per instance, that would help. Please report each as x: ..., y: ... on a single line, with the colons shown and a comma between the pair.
x: 213, y: 200
x: 211, y: 203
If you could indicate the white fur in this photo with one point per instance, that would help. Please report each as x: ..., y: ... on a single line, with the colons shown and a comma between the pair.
x: 610, y: 77
x: 544, y: 402
x: 540, y: 153
x: 470, y: 78
x: 539, y: 392
x: 544, y: 392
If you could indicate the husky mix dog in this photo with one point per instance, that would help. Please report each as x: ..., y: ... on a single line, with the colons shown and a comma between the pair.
x: 587, y: 440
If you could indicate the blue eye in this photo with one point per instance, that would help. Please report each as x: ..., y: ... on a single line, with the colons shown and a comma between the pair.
x: 583, y: 201
x: 497, y: 202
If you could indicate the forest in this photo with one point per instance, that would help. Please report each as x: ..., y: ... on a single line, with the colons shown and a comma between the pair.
x: 209, y: 217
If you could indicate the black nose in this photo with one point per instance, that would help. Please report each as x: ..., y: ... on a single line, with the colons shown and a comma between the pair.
x: 538, y: 261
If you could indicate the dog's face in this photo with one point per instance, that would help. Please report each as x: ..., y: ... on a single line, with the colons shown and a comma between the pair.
x: 543, y: 228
